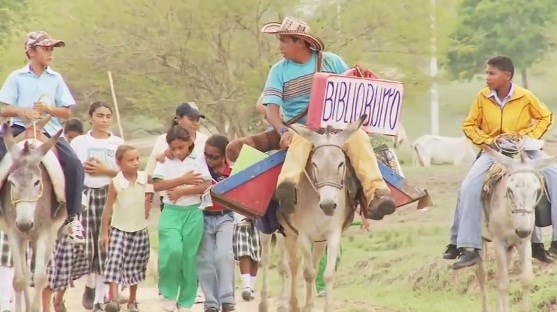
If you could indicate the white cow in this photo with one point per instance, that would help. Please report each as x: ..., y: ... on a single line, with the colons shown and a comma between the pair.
x: 400, y: 138
x: 438, y: 150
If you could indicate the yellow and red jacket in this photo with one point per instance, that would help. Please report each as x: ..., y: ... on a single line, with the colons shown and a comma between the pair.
x: 524, y: 114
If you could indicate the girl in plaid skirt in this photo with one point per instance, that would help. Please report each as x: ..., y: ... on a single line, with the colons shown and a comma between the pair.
x: 184, y: 178
x: 7, y: 295
x: 96, y: 149
x: 70, y: 261
x: 124, y: 229
x: 247, y: 250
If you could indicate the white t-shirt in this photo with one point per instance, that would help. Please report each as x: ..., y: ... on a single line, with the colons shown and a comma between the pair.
x: 174, y: 168
x: 104, y: 150
x: 160, y: 146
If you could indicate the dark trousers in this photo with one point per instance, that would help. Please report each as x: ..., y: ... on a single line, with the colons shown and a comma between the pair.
x: 71, y: 166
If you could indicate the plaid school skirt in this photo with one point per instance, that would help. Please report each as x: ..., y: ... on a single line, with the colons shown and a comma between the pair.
x: 6, y: 256
x: 91, y: 219
x: 128, y: 256
x: 70, y: 262
x: 245, y: 241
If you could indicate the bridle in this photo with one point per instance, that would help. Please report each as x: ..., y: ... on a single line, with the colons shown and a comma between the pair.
x: 316, y: 185
x: 16, y: 201
x: 509, y: 195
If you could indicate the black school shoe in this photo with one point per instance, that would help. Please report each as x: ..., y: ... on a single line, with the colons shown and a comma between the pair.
x: 451, y: 253
x: 553, y: 248
x: 467, y: 258
x: 539, y: 252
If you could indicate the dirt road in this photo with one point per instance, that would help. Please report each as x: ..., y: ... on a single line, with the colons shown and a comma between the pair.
x: 148, y: 300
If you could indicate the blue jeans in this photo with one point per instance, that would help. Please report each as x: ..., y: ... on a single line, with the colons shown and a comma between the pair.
x: 466, y: 231
x: 215, y: 261
x: 71, y: 167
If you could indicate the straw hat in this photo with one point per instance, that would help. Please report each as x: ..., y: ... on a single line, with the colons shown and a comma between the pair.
x: 295, y: 28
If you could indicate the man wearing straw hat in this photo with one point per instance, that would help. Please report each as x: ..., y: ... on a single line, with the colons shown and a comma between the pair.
x: 288, y: 87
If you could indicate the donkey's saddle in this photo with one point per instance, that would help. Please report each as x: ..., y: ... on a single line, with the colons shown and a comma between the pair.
x: 51, y: 164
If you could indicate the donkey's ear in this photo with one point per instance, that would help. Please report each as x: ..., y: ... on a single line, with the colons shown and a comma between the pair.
x: 306, y: 133
x: 8, y: 137
x: 345, y: 134
x: 498, y: 157
x: 543, y: 162
x: 45, y: 147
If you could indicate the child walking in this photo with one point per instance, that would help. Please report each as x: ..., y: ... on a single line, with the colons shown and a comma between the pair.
x: 184, y: 178
x: 216, y: 258
x: 124, y: 229
x: 96, y: 149
x: 247, y: 251
x: 72, y: 129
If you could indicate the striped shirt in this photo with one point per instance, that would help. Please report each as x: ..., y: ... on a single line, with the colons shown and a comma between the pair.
x: 289, y: 83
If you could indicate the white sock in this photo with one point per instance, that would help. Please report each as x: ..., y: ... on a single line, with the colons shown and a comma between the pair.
x: 90, y: 281
x: 252, y: 282
x: 246, y: 280
x: 100, y: 289
x: 7, y: 292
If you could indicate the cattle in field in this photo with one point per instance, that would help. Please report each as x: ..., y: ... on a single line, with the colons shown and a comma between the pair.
x: 400, y: 138
x: 438, y: 150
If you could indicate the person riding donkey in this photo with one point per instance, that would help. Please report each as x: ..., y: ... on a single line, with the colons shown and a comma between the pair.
x: 29, y: 93
x: 288, y: 87
x: 502, y: 110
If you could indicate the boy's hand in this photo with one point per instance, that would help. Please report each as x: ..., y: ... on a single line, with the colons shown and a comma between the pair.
x: 103, y: 240
x: 174, y: 194
x: 95, y: 168
x: 192, y: 178
x: 148, y: 203
x: 27, y: 113
x: 42, y: 108
x: 167, y: 154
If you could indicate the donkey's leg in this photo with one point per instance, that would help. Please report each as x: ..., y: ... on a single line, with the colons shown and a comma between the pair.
x: 265, y: 260
x: 502, y: 275
x: 18, y: 248
x: 291, y: 246
x: 510, y: 259
x: 309, y: 271
x: 282, y: 267
x: 333, y: 249
x: 481, y: 276
x: 527, y: 275
x: 40, y: 280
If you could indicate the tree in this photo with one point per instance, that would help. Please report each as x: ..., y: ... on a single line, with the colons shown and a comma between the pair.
x: 11, y: 11
x: 168, y: 51
x: 500, y: 27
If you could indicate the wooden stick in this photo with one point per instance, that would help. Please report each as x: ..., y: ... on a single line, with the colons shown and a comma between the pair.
x: 115, y: 105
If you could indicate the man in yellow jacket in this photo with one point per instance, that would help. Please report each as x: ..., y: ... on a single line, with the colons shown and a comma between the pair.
x: 502, y: 108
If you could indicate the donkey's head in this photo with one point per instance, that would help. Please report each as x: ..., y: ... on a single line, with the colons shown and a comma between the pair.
x: 24, y: 177
x: 523, y: 187
x: 328, y: 162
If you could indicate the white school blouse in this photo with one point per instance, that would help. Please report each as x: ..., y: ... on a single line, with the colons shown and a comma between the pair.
x: 174, y: 168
